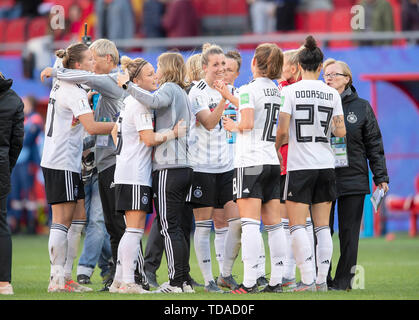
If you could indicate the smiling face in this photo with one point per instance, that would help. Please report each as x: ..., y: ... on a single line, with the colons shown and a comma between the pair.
x: 147, y: 79
x: 335, y: 77
x: 215, y: 69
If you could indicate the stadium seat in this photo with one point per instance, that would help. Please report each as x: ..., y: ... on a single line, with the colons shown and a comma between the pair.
x: 15, y: 32
x: 318, y: 21
x: 37, y: 27
x: 340, y: 22
x: 343, y: 4
x: 397, y: 16
x: 237, y: 7
x: 214, y: 7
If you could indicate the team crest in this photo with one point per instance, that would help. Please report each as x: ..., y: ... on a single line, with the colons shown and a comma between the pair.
x: 144, y: 200
x: 197, y: 193
x: 352, y: 118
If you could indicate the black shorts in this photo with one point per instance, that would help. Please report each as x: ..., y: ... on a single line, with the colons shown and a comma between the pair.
x: 311, y: 186
x: 260, y: 182
x: 62, y: 186
x: 282, y: 183
x: 211, y: 189
x: 130, y: 197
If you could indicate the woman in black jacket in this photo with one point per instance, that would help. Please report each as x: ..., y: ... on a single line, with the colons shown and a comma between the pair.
x: 364, y: 144
x: 11, y: 142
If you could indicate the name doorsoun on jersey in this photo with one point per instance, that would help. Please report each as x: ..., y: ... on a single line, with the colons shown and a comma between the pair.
x: 314, y: 94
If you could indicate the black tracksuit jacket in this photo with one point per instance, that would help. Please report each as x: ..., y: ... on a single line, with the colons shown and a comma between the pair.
x: 364, y: 145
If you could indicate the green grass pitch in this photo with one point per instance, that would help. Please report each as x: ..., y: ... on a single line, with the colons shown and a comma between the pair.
x: 390, y: 271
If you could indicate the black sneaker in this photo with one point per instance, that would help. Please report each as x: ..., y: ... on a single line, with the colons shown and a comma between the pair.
x: 273, y: 289
x: 107, y: 284
x: 262, y: 281
x: 83, y: 279
x: 243, y: 290
x: 142, y: 281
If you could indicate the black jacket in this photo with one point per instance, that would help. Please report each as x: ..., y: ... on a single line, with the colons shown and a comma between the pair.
x: 11, y: 132
x: 364, y: 142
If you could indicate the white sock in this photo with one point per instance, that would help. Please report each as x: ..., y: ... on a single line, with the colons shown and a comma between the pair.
x: 277, y: 249
x: 203, y: 248
x: 232, y: 245
x: 261, y: 258
x: 310, y: 233
x: 57, y: 247
x: 324, y: 252
x: 130, y: 249
x: 302, y: 252
x: 251, y: 238
x: 219, y: 243
x: 73, y: 237
x: 289, y: 263
x: 118, y: 270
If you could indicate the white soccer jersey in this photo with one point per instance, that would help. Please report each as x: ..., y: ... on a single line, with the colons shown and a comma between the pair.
x: 312, y: 104
x: 257, y: 146
x: 133, y: 159
x: 64, y: 133
x: 210, y: 150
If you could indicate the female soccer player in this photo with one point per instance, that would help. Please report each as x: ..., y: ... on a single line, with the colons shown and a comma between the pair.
x: 134, y: 140
x: 256, y: 186
x: 290, y: 75
x: 311, y: 111
x: 68, y: 115
x: 172, y: 172
x: 213, y: 170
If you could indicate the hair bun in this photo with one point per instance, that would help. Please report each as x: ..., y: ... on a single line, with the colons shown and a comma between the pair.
x: 61, y: 53
x: 310, y: 43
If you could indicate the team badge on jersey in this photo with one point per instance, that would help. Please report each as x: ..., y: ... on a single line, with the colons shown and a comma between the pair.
x: 144, y: 199
x: 352, y: 118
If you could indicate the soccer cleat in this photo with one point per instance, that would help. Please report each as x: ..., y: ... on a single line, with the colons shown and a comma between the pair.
x: 73, y: 286
x: 7, y: 289
x: 114, y: 287
x: 83, y: 279
x: 243, y: 290
x: 167, y: 288
x: 151, y: 279
x: 107, y: 284
x: 227, y: 282
x: 196, y: 284
x: 187, y: 288
x: 262, y: 282
x: 321, y: 287
x: 288, y: 284
x: 131, y: 288
x: 212, y: 287
x: 273, y: 289
x: 142, y: 281
x: 305, y: 287
x: 57, y: 284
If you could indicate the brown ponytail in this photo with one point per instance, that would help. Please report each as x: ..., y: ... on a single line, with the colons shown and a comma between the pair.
x: 71, y: 55
x: 269, y: 60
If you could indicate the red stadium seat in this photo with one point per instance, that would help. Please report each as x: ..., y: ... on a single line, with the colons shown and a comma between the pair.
x: 397, y: 16
x: 318, y: 21
x: 343, y: 4
x: 214, y: 7
x: 37, y: 27
x: 237, y: 7
x: 340, y: 22
x: 15, y: 32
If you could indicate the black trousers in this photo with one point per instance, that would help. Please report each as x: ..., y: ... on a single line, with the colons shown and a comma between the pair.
x: 114, y: 222
x: 5, y: 243
x: 155, y: 243
x: 170, y: 187
x: 350, y: 209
